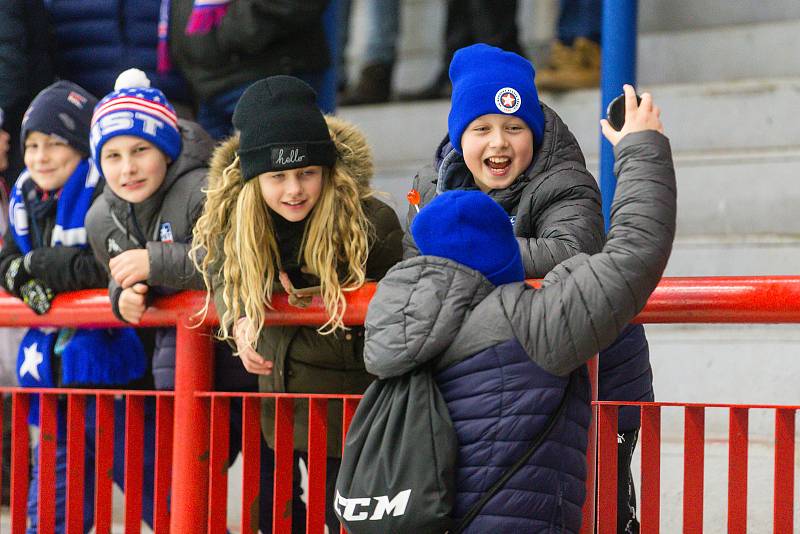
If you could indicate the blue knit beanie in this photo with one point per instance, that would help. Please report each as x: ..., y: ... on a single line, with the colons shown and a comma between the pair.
x: 472, y: 229
x: 134, y: 108
x: 487, y: 79
x: 63, y: 109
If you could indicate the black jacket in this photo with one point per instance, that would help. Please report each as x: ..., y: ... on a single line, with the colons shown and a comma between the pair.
x: 61, y: 268
x: 255, y: 39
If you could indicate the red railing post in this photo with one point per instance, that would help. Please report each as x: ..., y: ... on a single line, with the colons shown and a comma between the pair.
x: 193, y: 373
x: 693, y: 468
x: 607, y: 447
x: 783, y: 512
x: 589, y: 506
x: 737, y: 471
x: 651, y: 470
x: 20, y: 461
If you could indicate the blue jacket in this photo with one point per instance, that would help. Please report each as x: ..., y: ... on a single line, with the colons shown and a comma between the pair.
x: 98, y: 39
x: 503, y: 355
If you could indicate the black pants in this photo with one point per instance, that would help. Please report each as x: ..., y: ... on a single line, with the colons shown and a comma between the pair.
x: 626, y: 491
x: 480, y: 21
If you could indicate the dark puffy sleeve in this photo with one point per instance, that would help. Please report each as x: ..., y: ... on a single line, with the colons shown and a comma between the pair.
x: 561, y: 216
x: 387, y: 247
x: 588, y: 300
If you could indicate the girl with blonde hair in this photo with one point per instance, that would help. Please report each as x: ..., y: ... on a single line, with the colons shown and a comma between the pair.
x: 289, y: 205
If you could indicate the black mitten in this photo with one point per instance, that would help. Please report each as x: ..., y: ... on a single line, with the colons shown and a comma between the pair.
x: 37, y: 296
x: 15, y: 277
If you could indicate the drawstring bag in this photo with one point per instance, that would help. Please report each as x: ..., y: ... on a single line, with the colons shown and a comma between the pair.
x: 398, y: 467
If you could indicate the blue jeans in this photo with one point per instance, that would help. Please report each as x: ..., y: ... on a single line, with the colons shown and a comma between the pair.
x: 89, y: 466
x: 580, y: 18
x: 216, y: 113
x: 383, y: 27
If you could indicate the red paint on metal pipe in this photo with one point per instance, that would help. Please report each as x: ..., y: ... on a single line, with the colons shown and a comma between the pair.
x: 783, y: 509
x: 317, y: 463
x: 729, y: 299
x: 20, y: 461
x: 134, y: 463
x: 651, y: 469
x: 251, y: 464
x: 284, y: 466
x: 693, y: 468
x: 104, y: 462
x: 76, y: 454
x: 165, y: 417
x: 48, y: 430
x: 607, y: 424
x: 218, y: 465
x: 737, y: 471
x: 193, y: 372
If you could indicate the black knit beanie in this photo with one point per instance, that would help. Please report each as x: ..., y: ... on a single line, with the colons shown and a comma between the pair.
x: 280, y: 127
x: 63, y: 109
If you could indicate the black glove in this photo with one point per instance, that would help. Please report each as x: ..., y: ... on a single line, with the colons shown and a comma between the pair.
x: 15, y: 277
x: 36, y: 295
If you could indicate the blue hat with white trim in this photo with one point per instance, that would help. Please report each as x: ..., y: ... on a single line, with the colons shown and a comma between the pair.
x: 487, y: 79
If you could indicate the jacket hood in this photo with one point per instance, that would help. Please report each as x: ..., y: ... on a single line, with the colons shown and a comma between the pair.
x: 558, y: 146
x: 197, y: 148
x: 352, y: 151
x: 418, y: 309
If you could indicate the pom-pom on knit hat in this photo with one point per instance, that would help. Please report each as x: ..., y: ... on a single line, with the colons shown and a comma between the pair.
x: 135, y: 108
x: 280, y: 127
x: 472, y: 229
x: 63, y: 109
x: 487, y: 79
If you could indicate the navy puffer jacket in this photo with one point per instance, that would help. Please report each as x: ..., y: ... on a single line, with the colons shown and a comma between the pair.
x: 98, y: 39
x: 504, y: 354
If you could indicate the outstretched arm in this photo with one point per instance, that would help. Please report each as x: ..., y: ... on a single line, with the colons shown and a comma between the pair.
x: 587, y: 301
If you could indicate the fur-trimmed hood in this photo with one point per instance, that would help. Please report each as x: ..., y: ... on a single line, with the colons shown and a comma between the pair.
x: 353, y: 152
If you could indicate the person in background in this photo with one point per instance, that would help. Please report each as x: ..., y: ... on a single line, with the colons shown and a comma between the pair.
x: 26, y: 67
x: 224, y: 46
x: 574, y: 61
x: 98, y: 39
x: 493, y: 22
x: 374, y: 85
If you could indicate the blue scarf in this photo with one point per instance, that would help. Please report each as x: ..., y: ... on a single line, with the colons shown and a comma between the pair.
x: 71, y: 207
x: 100, y: 357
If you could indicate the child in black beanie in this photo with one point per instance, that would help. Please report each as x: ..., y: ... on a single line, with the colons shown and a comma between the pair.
x: 289, y: 205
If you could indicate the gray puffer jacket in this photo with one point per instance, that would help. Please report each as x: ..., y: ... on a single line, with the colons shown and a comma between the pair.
x: 163, y: 225
x: 429, y: 308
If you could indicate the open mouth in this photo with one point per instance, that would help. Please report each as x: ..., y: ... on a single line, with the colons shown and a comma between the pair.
x: 294, y: 204
x: 498, y: 164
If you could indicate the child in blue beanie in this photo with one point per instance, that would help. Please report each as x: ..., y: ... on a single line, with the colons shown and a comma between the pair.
x: 509, y: 360
x: 503, y: 141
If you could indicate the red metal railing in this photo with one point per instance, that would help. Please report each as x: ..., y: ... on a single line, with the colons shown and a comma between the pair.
x: 676, y: 300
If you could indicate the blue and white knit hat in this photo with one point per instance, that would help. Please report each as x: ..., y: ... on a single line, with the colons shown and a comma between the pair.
x: 135, y: 108
x: 487, y: 80
x: 472, y: 229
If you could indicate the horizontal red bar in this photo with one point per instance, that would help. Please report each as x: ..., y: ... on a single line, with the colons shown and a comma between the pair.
x: 728, y: 299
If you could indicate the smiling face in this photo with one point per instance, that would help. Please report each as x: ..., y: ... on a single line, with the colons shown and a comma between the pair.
x: 134, y: 168
x: 50, y: 160
x: 292, y: 193
x: 497, y: 149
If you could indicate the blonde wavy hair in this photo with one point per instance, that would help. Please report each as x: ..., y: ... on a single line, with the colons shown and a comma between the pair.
x: 234, y: 241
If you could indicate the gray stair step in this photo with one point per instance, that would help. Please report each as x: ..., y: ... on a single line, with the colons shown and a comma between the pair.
x: 680, y: 41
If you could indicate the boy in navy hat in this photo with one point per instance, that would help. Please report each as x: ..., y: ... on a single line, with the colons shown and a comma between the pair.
x: 503, y: 141
x: 509, y: 359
